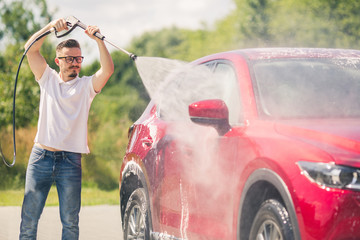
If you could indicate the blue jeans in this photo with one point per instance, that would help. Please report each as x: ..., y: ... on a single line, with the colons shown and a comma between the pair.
x: 44, y: 169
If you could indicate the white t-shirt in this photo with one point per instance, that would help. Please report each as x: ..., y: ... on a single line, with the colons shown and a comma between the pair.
x: 63, y: 112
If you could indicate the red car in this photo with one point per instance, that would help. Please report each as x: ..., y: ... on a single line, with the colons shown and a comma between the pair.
x: 248, y: 144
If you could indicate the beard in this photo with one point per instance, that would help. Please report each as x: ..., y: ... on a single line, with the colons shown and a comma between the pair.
x: 74, y: 73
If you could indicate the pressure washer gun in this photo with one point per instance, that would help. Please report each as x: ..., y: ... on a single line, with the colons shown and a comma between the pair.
x: 73, y: 22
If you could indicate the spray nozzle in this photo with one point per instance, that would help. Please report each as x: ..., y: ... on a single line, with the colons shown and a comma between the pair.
x: 133, y: 56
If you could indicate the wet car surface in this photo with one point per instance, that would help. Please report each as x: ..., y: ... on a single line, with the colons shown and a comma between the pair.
x: 264, y: 144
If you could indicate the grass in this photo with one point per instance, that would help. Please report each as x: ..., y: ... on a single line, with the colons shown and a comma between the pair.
x: 89, y: 197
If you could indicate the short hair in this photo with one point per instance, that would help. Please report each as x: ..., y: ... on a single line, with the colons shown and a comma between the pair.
x: 69, y: 43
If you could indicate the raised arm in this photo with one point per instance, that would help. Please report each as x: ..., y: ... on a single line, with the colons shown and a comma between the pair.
x: 36, y: 60
x: 106, y: 63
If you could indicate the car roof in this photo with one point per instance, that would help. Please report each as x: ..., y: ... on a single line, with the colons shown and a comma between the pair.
x: 269, y: 53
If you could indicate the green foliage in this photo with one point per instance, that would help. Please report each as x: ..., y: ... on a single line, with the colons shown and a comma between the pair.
x: 293, y: 23
x: 98, y: 172
x: 12, y: 178
x: 18, y: 22
x: 165, y: 43
x: 20, y: 19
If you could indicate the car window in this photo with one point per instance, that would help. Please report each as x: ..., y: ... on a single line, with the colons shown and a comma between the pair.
x: 308, y: 88
x: 212, y: 80
x: 185, y: 85
x: 227, y: 81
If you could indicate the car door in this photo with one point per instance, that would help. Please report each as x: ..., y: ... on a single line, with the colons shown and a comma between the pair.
x: 197, y: 190
x: 194, y: 199
x: 178, y: 152
x: 214, y: 184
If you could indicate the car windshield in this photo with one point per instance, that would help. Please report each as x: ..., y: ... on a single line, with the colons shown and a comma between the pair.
x: 308, y: 88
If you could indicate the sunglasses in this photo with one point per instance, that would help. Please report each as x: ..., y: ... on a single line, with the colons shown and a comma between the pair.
x: 70, y: 59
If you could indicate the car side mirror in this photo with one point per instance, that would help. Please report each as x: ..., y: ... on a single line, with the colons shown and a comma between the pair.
x: 213, y: 112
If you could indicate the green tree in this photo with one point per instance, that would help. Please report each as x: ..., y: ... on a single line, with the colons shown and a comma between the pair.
x: 18, y: 22
x: 292, y: 23
x: 339, y: 21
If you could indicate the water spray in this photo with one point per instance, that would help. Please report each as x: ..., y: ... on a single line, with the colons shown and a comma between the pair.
x: 72, y: 22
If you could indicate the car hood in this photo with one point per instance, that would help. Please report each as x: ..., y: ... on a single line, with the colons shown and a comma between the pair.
x: 340, y: 138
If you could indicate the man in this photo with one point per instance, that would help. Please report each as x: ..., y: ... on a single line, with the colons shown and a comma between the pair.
x: 65, y: 101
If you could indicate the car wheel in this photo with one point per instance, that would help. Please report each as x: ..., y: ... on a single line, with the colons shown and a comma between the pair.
x: 136, y: 218
x: 271, y: 222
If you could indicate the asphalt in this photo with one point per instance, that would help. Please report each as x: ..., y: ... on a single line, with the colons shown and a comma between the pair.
x: 96, y: 222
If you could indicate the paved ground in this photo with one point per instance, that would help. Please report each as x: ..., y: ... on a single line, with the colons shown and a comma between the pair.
x: 96, y: 222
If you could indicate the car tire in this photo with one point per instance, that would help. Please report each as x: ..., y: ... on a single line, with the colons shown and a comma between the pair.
x: 272, y: 222
x: 136, y: 217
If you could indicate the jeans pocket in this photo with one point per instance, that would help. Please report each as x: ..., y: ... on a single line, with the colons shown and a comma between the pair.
x: 36, y: 155
x: 74, y: 159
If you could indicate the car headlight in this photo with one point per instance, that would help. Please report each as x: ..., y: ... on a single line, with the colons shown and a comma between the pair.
x: 331, y: 175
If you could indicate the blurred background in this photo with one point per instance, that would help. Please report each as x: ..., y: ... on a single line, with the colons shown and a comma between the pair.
x: 183, y: 30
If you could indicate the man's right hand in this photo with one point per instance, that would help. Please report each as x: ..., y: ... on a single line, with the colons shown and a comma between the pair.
x: 36, y: 61
x: 59, y: 25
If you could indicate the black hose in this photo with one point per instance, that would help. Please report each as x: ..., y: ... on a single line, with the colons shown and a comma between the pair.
x: 14, y: 98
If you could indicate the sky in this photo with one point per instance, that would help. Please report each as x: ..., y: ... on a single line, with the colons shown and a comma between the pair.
x: 121, y: 20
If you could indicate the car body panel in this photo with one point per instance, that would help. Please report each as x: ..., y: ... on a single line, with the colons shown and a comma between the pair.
x: 201, y: 188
